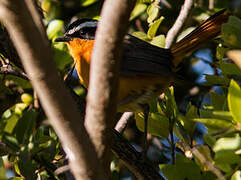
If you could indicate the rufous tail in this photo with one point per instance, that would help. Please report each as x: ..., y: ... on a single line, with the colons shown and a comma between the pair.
x: 204, y: 32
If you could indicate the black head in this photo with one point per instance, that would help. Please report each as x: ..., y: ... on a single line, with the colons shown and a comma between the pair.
x: 82, y: 28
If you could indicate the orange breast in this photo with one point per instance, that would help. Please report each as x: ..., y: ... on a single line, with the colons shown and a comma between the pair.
x: 81, y: 49
x: 132, y: 91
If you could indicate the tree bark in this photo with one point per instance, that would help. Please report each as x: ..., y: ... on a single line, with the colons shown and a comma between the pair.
x: 21, y: 20
x: 101, y: 98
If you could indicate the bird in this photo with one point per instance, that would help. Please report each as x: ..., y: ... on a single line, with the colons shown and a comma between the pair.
x: 145, y: 70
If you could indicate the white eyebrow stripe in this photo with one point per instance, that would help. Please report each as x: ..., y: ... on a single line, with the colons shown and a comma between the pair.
x: 85, y: 24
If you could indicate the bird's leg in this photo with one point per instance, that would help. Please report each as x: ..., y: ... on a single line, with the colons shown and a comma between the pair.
x: 146, y: 114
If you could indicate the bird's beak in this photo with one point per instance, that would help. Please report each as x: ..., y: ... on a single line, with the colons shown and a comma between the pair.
x: 63, y: 39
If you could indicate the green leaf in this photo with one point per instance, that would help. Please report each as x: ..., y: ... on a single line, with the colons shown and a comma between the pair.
x: 11, y: 123
x: 50, y: 9
x: 61, y: 57
x: 19, y: 108
x: 27, y: 121
x: 87, y: 2
x: 2, y: 169
x: 234, y: 101
x: 220, y: 52
x: 141, y: 35
x: 153, y: 12
x: 25, y: 164
x: 236, y: 175
x: 159, y: 41
x: 225, y: 167
x: 231, y: 32
x: 144, y: 1
x: 154, y: 27
x: 225, y: 148
x: 229, y: 69
x: 25, y: 84
x: 228, y: 143
x: 185, y: 33
x: 186, y: 120
x: 214, y: 123
x: 54, y: 27
x: 16, y: 178
x: 216, y: 80
x: 158, y: 124
x: 171, y: 106
x: 11, y: 142
x: 224, y: 115
x: 210, y: 140
x: 218, y: 101
x: 183, y: 169
x: 138, y: 10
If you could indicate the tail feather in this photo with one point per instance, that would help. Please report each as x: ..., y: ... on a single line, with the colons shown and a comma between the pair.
x: 206, y: 31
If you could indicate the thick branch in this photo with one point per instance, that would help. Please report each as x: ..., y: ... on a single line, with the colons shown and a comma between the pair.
x: 177, y: 27
x: 37, y: 59
x: 101, y: 98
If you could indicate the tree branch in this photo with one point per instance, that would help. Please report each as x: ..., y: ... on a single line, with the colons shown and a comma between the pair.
x: 34, y: 51
x: 101, y: 98
x: 8, y: 69
x: 132, y: 159
x: 122, y: 123
x: 177, y: 27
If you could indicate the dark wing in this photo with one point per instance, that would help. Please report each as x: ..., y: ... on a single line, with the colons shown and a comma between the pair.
x: 143, y: 59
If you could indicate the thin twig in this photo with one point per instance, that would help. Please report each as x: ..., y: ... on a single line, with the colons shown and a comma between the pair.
x: 207, y: 163
x: 211, y: 4
x: 9, y: 69
x: 166, y: 3
x: 176, y: 28
x: 188, y: 151
x: 122, y: 123
x: 172, y: 143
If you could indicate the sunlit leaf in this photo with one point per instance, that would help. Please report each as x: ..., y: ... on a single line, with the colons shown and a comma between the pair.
x: 236, y: 175
x: 141, y: 35
x: 159, y: 41
x: 138, y: 10
x: 225, y: 115
x: 154, y: 27
x: 11, y: 123
x: 214, y: 123
x: 234, y: 100
x: 54, y: 27
x: 153, y: 12
x: 225, y: 148
x: 87, y: 2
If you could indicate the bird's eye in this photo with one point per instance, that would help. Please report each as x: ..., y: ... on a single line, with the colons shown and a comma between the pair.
x: 81, y: 32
